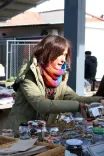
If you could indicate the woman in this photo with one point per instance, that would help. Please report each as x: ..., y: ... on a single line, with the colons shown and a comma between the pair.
x: 41, y: 85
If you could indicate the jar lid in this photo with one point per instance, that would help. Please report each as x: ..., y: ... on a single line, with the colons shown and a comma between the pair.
x: 24, y: 124
x: 74, y: 142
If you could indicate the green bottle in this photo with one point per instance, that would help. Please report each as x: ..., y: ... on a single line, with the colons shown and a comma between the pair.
x: 88, y: 113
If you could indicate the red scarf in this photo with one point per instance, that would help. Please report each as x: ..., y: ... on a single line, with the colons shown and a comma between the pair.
x: 52, y: 76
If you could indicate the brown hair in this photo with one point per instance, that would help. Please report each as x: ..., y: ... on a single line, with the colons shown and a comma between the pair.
x: 50, y: 48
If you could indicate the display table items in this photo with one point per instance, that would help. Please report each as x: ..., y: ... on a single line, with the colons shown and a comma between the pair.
x: 75, y: 135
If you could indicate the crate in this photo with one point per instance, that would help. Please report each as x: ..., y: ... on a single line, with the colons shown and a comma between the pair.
x: 6, y: 141
x: 55, y: 150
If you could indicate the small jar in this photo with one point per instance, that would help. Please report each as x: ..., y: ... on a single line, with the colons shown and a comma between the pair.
x: 75, y: 149
x: 8, y: 132
x: 74, y: 146
x: 24, y: 131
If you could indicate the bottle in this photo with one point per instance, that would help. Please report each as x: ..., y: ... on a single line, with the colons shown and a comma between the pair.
x: 41, y: 135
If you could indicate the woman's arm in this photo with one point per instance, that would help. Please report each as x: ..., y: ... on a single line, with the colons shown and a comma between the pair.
x: 71, y: 95
x: 42, y: 105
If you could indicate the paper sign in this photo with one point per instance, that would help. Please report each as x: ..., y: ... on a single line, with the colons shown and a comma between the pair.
x: 96, y: 149
x: 95, y: 111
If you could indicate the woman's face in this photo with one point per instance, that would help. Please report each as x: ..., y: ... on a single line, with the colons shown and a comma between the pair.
x: 59, y: 61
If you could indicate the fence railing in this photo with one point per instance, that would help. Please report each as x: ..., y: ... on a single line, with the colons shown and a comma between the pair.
x: 17, y: 51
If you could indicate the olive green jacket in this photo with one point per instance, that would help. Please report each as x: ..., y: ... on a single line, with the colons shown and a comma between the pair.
x: 30, y: 97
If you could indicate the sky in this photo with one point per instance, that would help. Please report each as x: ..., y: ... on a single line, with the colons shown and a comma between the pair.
x: 95, y: 7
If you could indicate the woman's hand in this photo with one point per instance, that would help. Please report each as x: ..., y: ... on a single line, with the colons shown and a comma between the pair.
x: 83, y: 109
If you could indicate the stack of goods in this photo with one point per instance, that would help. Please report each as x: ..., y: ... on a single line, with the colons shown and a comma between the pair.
x: 6, y: 95
x: 5, y: 92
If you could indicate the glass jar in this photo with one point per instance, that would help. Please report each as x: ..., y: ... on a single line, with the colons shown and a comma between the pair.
x: 8, y: 132
x: 24, y: 131
x: 75, y: 149
x: 74, y: 146
x: 94, y: 110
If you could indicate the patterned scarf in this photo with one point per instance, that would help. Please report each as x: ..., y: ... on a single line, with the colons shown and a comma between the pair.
x: 52, y: 76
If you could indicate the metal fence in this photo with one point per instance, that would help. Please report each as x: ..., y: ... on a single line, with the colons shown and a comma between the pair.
x: 17, y: 51
x: 3, y: 54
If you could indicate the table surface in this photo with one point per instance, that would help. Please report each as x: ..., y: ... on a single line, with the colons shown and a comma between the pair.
x: 6, y: 83
x: 6, y: 106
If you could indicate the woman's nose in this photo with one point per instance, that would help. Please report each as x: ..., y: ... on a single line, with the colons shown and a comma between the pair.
x: 63, y: 59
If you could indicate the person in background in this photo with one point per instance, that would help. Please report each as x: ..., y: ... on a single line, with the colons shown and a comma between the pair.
x: 41, y: 85
x: 90, y: 68
x: 87, y: 86
x: 100, y: 90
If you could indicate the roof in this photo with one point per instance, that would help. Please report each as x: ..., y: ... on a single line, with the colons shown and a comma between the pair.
x: 25, y: 18
x: 31, y: 25
x: 93, y: 18
x: 46, y: 17
x: 59, y: 16
x: 10, y: 8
